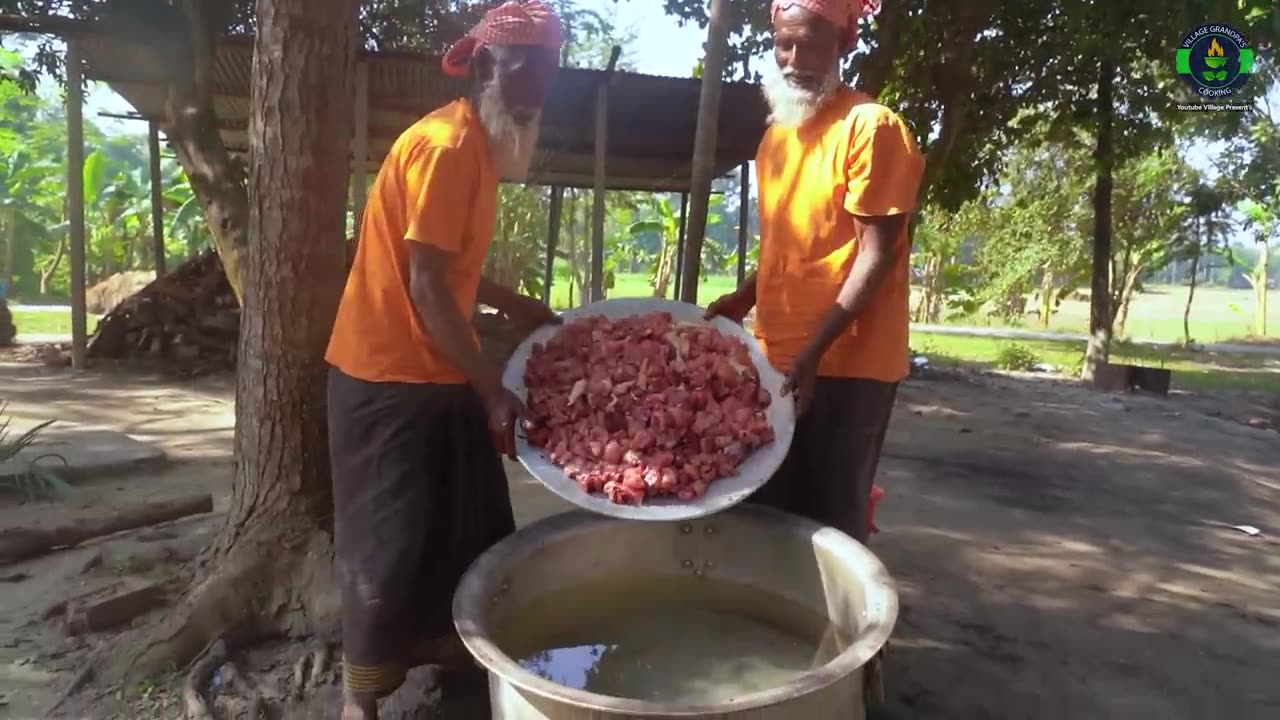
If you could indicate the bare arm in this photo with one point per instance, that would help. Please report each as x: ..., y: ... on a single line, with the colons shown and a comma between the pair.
x: 497, y: 296
x: 877, y: 251
x: 747, y: 291
x: 736, y: 304
x: 441, y: 317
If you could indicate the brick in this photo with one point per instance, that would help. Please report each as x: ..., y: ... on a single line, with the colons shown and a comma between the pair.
x: 111, y: 606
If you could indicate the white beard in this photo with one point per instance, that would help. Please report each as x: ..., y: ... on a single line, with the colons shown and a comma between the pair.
x: 512, y: 144
x: 793, y: 106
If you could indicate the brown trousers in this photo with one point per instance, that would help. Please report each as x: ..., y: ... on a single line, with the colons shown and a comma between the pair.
x: 419, y: 493
x: 832, y: 462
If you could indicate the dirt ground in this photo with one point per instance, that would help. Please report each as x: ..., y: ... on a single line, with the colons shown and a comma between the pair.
x: 1059, y: 553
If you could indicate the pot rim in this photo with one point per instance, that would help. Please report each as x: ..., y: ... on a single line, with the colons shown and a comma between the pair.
x: 477, y: 588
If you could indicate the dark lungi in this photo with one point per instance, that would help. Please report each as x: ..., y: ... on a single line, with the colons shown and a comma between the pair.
x: 419, y: 492
x: 829, y: 469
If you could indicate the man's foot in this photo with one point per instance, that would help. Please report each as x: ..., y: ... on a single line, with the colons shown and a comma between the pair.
x: 359, y: 707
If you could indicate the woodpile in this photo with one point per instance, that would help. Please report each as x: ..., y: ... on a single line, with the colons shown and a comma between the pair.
x: 188, y: 319
x: 106, y: 295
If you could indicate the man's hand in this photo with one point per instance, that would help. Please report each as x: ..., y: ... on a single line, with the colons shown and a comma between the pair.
x: 529, y: 314
x: 800, y: 382
x: 504, y: 410
x: 733, y: 306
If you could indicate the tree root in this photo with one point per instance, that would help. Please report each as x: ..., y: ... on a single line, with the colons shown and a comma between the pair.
x: 250, y: 593
x: 81, y: 679
x: 193, y: 702
x: 312, y: 670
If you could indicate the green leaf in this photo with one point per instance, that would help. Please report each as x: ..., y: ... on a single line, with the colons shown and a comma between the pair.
x: 646, y: 226
x: 190, y: 212
x: 95, y: 177
x: 1210, y: 75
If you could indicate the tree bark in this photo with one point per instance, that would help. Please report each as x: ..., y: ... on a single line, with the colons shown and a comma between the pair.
x: 271, y: 568
x: 191, y: 125
x: 1100, y: 287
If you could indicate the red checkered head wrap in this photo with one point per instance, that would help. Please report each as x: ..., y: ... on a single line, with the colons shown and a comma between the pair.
x: 512, y: 23
x: 844, y: 14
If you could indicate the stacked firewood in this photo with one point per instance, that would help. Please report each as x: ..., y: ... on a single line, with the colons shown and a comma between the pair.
x: 188, y: 318
x: 189, y: 321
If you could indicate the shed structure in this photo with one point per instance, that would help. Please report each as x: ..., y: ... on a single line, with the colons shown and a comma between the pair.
x: 601, y: 129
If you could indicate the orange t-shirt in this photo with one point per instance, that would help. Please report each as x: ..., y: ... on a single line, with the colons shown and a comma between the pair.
x: 438, y: 185
x: 855, y: 157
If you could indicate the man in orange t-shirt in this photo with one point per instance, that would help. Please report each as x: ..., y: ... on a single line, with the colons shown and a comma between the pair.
x: 838, y: 176
x: 417, y: 415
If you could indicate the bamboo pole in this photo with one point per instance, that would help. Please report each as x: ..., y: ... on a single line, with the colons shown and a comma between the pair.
x: 704, y: 146
x: 553, y: 237
x: 75, y: 204
x: 157, y: 200
x: 744, y: 216
x: 601, y: 175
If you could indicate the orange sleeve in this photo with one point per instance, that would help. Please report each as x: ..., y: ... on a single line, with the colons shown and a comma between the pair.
x: 440, y: 183
x: 885, y: 167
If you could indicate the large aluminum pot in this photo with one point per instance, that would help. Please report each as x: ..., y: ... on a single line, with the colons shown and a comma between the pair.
x: 817, y: 568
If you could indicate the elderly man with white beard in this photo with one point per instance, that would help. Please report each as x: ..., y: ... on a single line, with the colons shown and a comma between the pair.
x: 838, y: 176
x: 418, y: 416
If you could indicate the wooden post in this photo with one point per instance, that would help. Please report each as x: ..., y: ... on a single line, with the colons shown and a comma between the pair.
x: 157, y: 199
x: 360, y: 148
x: 704, y: 145
x: 744, y: 216
x: 601, y: 153
x: 684, y: 218
x: 553, y: 236
x: 75, y: 204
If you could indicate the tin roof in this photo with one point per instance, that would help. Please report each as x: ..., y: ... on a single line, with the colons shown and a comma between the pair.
x: 651, y: 119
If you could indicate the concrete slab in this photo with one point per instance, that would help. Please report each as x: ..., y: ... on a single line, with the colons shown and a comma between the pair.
x: 88, y: 452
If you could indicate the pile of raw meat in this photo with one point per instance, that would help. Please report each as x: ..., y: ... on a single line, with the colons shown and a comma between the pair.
x: 642, y: 407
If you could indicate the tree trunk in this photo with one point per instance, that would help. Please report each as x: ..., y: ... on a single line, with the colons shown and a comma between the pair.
x: 661, y: 270
x: 1046, y: 296
x: 1100, y: 288
x: 1260, y: 288
x: 1191, y: 294
x: 1126, y: 296
x: 271, y: 568
x: 876, y: 67
x: 46, y: 274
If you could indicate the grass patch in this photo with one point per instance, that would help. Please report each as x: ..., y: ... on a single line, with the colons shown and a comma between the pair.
x: 628, y: 285
x: 1194, y: 371
x: 1218, y: 315
x: 47, y: 322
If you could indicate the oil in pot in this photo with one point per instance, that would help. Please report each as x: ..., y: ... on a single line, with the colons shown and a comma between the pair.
x: 669, y: 639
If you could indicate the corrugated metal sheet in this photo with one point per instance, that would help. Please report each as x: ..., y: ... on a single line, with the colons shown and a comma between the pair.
x: 652, y: 119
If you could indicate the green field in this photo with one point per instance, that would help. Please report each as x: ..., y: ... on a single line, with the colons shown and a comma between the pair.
x: 637, y: 285
x: 1194, y: 371
x: 46, y: 323
x: 1217, y: 315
